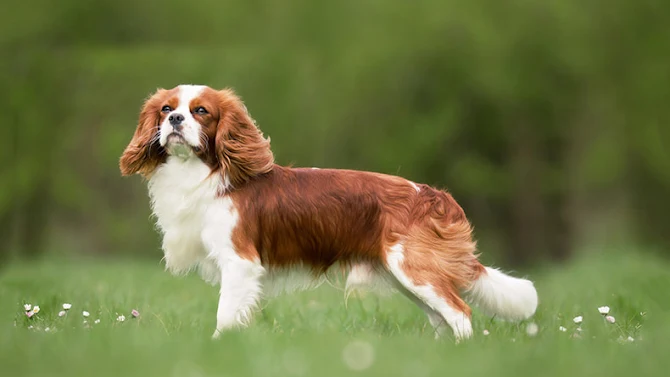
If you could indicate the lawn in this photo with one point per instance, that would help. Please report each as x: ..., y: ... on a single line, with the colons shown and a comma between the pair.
x: 314, y: 334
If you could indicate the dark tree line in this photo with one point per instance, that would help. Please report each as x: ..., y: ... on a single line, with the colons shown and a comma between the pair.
x: 547, y: 121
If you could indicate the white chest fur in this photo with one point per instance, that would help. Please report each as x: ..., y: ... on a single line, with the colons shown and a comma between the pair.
x: 190, y: 214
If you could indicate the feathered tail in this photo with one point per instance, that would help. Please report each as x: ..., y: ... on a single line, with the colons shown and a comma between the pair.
x: 500, y: 295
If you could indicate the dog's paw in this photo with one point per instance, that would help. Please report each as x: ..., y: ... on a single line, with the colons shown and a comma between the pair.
x: 216, y: 335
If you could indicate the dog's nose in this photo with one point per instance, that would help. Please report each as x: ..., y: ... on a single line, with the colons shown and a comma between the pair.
x: 175, y: 119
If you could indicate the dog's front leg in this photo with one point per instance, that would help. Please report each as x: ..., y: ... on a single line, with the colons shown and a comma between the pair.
x: 240, y: 291
x: 240, y: 272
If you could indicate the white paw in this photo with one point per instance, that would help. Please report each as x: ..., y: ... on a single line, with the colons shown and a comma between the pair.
x: 216, y: 335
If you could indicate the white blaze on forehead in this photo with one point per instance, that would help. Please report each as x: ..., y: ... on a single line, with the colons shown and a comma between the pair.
x: 188, y: 93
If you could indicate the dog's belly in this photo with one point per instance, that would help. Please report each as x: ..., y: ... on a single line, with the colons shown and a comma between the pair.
x: 360, y: 276
x: 281, y: 280
x: 275, y: 281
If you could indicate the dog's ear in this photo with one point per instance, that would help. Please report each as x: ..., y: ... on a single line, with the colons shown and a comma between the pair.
x: 144, y: 153
x: 241, y: 150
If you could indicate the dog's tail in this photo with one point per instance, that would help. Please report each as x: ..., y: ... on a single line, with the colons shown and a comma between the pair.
x: 502, y: 296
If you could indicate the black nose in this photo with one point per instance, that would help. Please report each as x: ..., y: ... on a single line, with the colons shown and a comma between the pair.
x: 176, y: 119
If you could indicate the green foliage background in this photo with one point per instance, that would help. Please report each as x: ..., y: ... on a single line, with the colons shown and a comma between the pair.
x: 546, y: 120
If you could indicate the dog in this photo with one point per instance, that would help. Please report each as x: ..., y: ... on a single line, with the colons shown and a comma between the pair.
x: 226, y: 209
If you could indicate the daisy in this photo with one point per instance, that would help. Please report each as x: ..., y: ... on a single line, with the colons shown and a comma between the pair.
x: 36, y: 309
x: 578, y: 319
x: 61, y: 313
x: 121, y: 318
x: 604, y: 310
x: 85, y: 313
x: 562, y: 329
x: 610, y: 319
x: 27, y: 307
x: 67, y: 306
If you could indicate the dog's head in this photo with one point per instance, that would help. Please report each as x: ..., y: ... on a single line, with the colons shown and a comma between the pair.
x: 192, y: 121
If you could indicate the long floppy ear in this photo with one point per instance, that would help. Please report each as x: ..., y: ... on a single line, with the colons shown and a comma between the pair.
x: 241, y: 149
x: 144, y: 153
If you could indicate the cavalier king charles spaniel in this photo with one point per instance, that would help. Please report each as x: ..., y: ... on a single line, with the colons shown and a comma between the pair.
x: 258, y: 229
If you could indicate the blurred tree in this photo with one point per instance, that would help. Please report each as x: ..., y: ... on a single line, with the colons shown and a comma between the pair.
x: 547, y: 121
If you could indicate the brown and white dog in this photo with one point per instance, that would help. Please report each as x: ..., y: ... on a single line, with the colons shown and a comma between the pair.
x: 256, y: 228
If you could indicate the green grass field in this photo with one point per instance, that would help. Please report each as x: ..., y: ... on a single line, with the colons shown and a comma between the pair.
x: 314, y: 334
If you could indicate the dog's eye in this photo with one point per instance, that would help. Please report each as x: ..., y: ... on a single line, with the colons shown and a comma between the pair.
x: 200, y: 110
x: 166, y: 109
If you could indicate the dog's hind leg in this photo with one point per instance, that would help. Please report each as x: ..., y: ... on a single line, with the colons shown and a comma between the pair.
x: 438, y: 297
x: 435, y: 319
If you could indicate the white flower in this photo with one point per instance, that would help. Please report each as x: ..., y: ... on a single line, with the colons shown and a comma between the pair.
x: 36, y: 309
x: 630, y: 339
x: 610, y: 319
x: 61, y: 313
x: 532, y: 329
x: 486, y: 332
x: 27, y: 307
x: 67, y: 306
x: 604, y: 310
x: 562, y: 329
x: 578, y: 319
x: 85, y: 313
x: 121, y: 318
x: 96, y: 321
x: 47, y: 329
x: 579, y: 329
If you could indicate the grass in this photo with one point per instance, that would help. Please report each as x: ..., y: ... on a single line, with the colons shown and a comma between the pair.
x: 314, y: 334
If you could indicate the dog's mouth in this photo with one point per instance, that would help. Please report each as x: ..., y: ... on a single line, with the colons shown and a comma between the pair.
x: 176, y: 137
x: 176, y: 145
